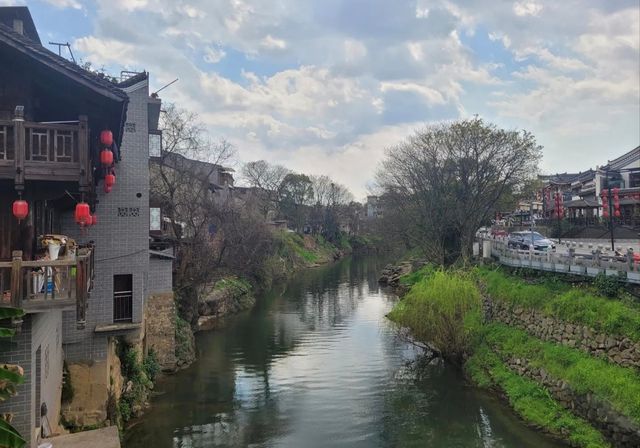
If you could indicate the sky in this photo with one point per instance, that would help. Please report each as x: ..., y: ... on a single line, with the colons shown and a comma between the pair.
x: 324, y: 86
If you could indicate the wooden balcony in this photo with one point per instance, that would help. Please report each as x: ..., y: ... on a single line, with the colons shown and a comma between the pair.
x: 41, y: 151
x: 44, y: 285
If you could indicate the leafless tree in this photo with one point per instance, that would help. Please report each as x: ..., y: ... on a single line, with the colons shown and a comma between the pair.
x: 267, y: 179
x: 443, y: 182
x: 181, y: 184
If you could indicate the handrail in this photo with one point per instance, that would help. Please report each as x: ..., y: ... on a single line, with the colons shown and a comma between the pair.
x: 34, y: 283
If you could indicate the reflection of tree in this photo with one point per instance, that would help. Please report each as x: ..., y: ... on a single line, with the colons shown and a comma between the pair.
x: 229, y: 397
x: 432, y: 406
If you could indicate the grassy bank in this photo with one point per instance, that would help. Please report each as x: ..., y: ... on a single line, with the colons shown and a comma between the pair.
x: 578, y: 305
x: 444, y: 308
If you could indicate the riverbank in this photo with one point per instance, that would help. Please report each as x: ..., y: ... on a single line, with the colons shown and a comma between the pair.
x: 317, y: 364
x: 566, y: 357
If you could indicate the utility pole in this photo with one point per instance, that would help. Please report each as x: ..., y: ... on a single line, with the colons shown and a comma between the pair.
x: 610, y: 211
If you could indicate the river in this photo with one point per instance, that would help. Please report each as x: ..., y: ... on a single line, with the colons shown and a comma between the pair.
x: 316, y: 364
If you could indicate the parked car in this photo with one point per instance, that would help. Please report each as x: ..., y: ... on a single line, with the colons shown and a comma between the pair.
x: 524, y: 239
x: 482, y: 232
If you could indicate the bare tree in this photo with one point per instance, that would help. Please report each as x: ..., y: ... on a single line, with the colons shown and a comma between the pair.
x: 182, y: 180
x: 267, y: 179
x: 445, y: 181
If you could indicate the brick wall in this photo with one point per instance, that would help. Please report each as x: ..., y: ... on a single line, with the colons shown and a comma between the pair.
x: 160, y: 275
x: 121, y: 236
x: 44, y: 332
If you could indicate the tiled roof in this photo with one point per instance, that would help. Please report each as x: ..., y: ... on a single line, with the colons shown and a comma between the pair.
x: 624, y: 160
x: 48, y: 58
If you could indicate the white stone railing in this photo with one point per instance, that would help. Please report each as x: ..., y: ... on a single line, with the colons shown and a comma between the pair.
x: 572, y: 258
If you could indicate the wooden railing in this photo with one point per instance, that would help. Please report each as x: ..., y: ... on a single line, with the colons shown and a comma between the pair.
x: 41, y: 151
x: 573, y: 259
x: 42, y: 285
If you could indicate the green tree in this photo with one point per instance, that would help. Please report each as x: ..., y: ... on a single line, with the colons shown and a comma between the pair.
x: 296, y: 194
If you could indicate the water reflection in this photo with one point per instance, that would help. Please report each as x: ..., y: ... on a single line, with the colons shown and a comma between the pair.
x: 317, y: 364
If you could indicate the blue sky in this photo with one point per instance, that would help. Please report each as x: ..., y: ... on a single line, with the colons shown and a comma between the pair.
x: 325, y: 86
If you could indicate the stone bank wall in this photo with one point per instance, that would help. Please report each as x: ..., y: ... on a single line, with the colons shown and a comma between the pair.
x: 620, y: 430
x: 616, y: 349
x: 160, y: 327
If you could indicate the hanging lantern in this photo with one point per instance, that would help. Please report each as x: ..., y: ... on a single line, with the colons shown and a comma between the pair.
x: 20, y: 209
x: 109, y: 180
x: 83, y: 214
x: 617, y: 213
x: 106, y: 157
x: 106, y: 137
x: 605, y: 213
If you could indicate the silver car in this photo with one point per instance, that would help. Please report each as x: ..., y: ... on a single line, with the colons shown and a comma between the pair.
x: 525, y: 239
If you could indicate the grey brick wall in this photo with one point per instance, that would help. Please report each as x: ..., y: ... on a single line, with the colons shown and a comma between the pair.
x: 121, y: 235
x: 42, y: 331
x: 160, y: 275
x: 18, y: 350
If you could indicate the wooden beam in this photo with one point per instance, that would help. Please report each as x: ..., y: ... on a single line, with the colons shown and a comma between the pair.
x: 20, y: 148
x: 16, y: 279
x: 83, y: 153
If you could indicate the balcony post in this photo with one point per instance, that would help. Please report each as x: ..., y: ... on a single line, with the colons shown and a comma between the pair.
x: 83, y: 154
x: 19, y: 142
x: 16, y: 279
x: 81, y: 293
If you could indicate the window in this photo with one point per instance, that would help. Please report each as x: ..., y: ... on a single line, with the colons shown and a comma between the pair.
x: 155, y: 145
x: 154, y: 219
x: 122, y: 298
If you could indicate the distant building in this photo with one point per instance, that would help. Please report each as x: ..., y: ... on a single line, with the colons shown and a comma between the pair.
x: 374, y: 207
x: 581, y: 192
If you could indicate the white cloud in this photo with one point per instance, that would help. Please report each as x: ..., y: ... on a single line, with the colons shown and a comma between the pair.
x: 324, y: 86
x: 527, y: 8
x: 271, y: 43
x: 74, y: 4
x: 213, y: 55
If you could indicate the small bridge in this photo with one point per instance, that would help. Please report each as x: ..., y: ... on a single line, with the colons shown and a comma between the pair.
x: 569, y: 258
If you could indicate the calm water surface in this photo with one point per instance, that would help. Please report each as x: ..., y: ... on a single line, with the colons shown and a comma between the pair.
x: 316, y: 364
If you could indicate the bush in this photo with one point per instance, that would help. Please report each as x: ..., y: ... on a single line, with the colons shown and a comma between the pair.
x: 67, y: 387
x: 444, y: 309
x: 150, y: 365
x: 607, y: 285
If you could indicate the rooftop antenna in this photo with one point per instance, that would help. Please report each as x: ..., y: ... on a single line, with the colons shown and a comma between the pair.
x: 60, y: 45
x: 155, y: 94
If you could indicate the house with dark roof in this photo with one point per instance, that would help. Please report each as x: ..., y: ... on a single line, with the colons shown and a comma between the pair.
x: 74, y: 227
x: 581, y: 193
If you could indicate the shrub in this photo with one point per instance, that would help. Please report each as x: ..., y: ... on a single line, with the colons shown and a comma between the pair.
x: 444, y: 309
x: 150, y: 365
x: 606, y: 285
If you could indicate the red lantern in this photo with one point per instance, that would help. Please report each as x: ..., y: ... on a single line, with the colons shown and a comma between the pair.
x: 107, y: 189
x: 94, y: 220
x: 106, y: 137
x: 605, y: 213
x: 109, y: 180
x: 617, y: 213
x: 20, y: 209
x: 106, y: 157
x: 83, y: 214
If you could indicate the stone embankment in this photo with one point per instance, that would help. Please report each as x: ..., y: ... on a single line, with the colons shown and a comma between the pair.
x: 391, y: 274
x: 617, y: 428
x: 616, y: 349
x: 219, y: 301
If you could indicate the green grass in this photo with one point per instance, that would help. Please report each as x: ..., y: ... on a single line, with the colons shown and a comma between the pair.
x: 561, y: 301
x: 443, y: 309
x: 616, y: 385
x: 239, y: 284
x: 532, y: 402
x: 414, y: 277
